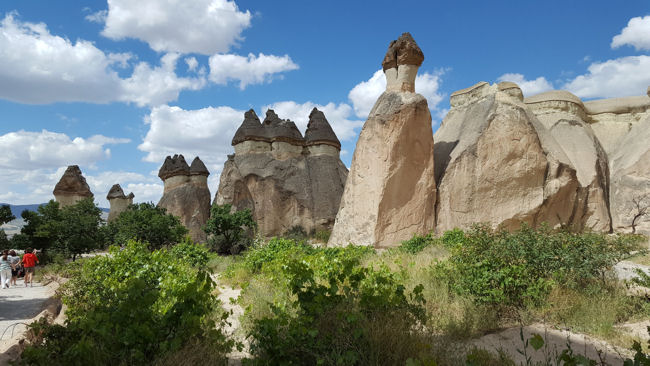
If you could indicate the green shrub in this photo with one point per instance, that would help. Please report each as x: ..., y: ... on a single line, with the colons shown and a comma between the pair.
x: 296, y: 233
x: 416, y: 244
x: 194, y: 254
x: 130, y: 307
x: 147, y: 223
x: 340, y: 317
x: 323, y: 236
x: 230, y: 232
x: 500, y: 267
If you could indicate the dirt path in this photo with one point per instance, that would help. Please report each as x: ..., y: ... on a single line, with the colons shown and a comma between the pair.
x: 18, y: 305
x: 228, y: 297
x: 555, y: 340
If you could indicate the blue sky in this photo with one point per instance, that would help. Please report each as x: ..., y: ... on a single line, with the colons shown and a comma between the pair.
x: 116, y: 86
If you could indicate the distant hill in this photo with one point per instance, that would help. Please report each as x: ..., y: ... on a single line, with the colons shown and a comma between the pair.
x: 16, y: 210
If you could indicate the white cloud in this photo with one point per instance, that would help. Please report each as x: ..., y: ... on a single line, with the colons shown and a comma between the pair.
x: 23, y: 150
x: 97, y: 17
x: 197, y: 26
x: 613, y: 78
x: 154, y: 86
x: 364, y: 95
x: 339, y: 116
x: 528, y: 87
x: 205, y: 132
x: 192, y: 63
x: 636, y: 33
x: 247, y: 70
x: 38, y: 67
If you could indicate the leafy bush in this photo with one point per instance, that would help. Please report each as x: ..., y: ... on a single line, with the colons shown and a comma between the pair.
x: 338, y: 316
x: 231, y: 232
x: 323, y: 236
x: 499, y: 267
x: 147, y: 223
x: 196, y: 255
x: 129, y: 308
x: 416, y: 244
x: 297, y: 233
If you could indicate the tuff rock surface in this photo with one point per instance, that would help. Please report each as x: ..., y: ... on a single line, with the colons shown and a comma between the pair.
x: 118, y: 200
x: 72, y: 187
x: 390, y: 193
x: 186, y: 193
x: 284, y: 179
x: 496, y: 163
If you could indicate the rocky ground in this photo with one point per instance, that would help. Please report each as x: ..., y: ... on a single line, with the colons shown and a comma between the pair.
x: 228, y: 297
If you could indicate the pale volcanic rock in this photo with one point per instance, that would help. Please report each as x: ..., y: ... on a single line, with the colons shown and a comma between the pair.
x: 119, y: 201
x: 630, y: 177
x: 186, y: 193
x: 390, y: 193
x: 564, y: 116
x: 496, y: 163
x: 72, y: 187
x: 284, y: 179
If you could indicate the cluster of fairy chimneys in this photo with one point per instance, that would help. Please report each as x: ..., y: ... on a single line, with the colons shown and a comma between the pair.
x: 282, y: 138
x: 175, y: 171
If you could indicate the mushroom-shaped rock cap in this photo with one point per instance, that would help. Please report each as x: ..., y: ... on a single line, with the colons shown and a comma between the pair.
x: 277, y: 129
x: 115, y: 192
x: 403, y: 51
x: 250, y: 129
x: 198, y: 168
x: 72, y: 183
x: 320, y: 131
x: 173, y: 166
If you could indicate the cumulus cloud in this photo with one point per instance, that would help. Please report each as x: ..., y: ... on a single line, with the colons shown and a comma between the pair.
x: 97, y: 17
x: 158, y: 85
x: 38, y: 67
x: 24, y: 150
x: 197, y: 26
x: 636, y: 34
x: 528, y: 87
x: 248, y: 70
x: 340, y: 116
x: 364, y: 95
x: 613, y: 78
x: 205, y: 132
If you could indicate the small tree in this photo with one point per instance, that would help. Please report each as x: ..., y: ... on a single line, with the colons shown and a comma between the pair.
x: 5, y: 214
x: 5, y: 217
x: 147, y: 223
x: 640, y: 208
x: 79, y: 228
x: 42, y: 226
x: 229, y: 229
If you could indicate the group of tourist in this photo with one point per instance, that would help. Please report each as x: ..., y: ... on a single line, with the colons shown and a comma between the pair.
x: 11, y: 264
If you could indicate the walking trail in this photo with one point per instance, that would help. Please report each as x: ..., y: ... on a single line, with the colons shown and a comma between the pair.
x: 228, y: 297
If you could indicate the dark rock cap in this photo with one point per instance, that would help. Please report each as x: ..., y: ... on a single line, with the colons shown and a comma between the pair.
x: 273, y: 128
x: 117, y: 192
x: 198, y: 168
x: 72, y: 183
x: 403, y: 51
x: 250, y: 129
x: 173, y: 166
x: 319, y: 130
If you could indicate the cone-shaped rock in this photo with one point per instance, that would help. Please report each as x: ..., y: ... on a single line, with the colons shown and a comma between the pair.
x: 284, y: 179
x: 118, y: 200
x: 390, y: 193
x: 186, y: 194
x: 72, y: 187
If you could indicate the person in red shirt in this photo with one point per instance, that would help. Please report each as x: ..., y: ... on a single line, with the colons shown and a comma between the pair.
x: 29, y: 263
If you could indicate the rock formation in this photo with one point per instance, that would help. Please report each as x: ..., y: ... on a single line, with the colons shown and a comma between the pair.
x: 186, y: 194
x: 72, y: 187
x: 390, y: 193
x: 497, y: 163
x: 630, y: 178
x: 564, y: 116
x: 119, y: 201
x: 284, y: 179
